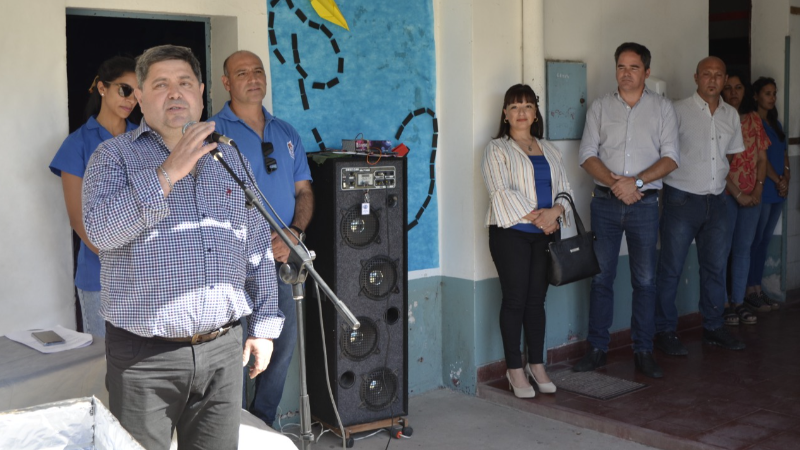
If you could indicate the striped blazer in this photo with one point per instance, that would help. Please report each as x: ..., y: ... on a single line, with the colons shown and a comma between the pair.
x: 508, y: 174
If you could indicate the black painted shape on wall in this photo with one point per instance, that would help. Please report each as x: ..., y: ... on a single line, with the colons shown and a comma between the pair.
x: 319, y: 85
x: 432, y: 164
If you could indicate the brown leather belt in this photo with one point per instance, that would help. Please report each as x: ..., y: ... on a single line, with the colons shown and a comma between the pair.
x: 200, y: 338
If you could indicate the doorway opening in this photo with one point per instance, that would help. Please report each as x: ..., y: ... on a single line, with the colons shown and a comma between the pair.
x: 729, y: 33
x: 94, y: 36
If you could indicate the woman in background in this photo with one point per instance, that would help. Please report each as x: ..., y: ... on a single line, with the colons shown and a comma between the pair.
x: 523, y: 174
x: 745, y: 183
x: 776, y: 188
x: 110, y: 103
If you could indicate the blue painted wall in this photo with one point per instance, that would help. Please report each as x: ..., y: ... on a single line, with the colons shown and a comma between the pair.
x: 424, y: 334
x: 459, y: 318
x: 377, y: 80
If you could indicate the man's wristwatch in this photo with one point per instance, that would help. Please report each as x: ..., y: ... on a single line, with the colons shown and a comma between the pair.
x: 639, y: 183
x: 300, y: 233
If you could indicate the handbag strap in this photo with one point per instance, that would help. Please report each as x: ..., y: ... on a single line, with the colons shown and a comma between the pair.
x: 578, y: 222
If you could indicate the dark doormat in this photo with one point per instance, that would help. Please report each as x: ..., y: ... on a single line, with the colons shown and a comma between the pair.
x: 593, y: 384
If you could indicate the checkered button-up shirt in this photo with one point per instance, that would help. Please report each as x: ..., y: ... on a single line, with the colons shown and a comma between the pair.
x: 185, y: 264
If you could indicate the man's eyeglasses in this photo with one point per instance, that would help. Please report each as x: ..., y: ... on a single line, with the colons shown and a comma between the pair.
x: 269, y: 163
x: 124, y: 89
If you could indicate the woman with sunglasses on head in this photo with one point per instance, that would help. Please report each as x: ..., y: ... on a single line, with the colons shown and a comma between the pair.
x: 110, y: 103
x: 776, y: 188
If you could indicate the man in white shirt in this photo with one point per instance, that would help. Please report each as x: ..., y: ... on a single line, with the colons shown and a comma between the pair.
x: 695, y: 208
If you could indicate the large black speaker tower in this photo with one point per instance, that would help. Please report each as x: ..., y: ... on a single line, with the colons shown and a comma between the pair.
x: 358, y: 233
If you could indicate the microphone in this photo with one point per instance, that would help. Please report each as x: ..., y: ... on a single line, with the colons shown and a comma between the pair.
x: 213, y: 137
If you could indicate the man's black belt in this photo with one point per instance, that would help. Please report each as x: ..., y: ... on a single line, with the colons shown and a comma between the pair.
x: 607, y: 190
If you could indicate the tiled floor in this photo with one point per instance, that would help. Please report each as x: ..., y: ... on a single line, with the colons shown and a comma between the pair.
x: 713, y: 398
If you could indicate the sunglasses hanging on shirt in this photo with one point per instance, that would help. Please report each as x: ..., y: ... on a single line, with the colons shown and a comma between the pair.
x: 269, y: 163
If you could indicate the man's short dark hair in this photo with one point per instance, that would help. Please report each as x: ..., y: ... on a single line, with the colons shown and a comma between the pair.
x: 165, y: 53
x: 639, y: 49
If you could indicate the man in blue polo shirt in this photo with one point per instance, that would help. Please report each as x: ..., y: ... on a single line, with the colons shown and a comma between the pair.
x: 279, y: 164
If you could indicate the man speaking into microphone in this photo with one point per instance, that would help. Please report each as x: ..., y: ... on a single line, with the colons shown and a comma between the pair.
x: 279, y: 163
x: 182, y: 260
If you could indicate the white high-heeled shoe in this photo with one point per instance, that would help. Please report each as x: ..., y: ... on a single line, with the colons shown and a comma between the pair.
x: 544, y: 388
x: 523, y: 392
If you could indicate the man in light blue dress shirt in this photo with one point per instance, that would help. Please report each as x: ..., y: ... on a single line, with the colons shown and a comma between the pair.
x: 629, y: 143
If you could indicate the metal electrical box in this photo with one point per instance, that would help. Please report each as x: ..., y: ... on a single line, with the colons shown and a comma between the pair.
x: 566, y: 100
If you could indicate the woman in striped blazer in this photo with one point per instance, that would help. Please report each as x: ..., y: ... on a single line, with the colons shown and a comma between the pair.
x: 523, y: 174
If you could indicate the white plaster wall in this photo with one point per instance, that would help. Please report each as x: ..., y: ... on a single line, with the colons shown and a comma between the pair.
x: 533, y: 64
x: 454, y: 101
x: 676, y: 32
x: 793, y: 127
x: 497, y: 65
x: 479, y: 57
x: 35, y: 255
x: 793, y: 130
x: 769, y: 27
x: 505, y: 47
x: 771, y: 23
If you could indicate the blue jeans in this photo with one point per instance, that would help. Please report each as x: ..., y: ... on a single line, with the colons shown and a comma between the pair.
x: 742, y: 222
x: 639, y: 222
x: 269, y: 384
x: 93, y: 322
x: 770, y: 213
x: 704, y: 219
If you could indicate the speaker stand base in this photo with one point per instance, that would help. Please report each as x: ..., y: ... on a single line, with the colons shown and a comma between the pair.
x: 395, y: 426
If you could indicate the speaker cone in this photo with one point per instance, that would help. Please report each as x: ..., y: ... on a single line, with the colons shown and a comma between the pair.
x: 378, y: 277
x: 358, y: 230
x: 379, y: 389
x: 359, y: 344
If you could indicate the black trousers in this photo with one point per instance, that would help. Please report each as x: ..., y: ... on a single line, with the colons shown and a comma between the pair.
x: 155, y: 387
x: 521, y: 260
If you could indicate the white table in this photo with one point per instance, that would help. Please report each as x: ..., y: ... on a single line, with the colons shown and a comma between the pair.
x: 29, y: 378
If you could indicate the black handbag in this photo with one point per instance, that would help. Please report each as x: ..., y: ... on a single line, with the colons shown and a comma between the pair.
x: 572, y: 259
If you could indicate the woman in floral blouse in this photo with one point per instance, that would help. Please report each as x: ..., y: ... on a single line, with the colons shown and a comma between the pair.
x: 745, y: 183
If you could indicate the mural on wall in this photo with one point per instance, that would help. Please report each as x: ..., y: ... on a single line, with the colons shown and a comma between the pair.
x: 340, y: 68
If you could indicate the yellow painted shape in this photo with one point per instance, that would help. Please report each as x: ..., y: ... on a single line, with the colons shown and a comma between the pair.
x: 328, y: 10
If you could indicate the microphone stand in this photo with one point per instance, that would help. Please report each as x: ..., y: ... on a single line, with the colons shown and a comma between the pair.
x: 294, y: 272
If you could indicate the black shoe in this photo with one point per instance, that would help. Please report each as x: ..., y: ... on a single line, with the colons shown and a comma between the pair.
x: 756, y: 302
x: 646, y: 364
x: 774, y: 304
x: 723, y: 338
x: 592, y: 360
x: 668, y: 342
